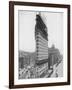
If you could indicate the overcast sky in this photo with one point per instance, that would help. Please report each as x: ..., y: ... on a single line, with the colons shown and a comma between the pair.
x: 27, y: 21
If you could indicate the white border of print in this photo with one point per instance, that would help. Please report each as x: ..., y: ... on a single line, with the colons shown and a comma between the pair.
x: 42, y: 80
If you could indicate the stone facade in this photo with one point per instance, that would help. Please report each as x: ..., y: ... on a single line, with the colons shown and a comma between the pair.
x: 41, y: 38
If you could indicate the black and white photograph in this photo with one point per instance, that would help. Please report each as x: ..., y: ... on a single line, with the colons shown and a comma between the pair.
x: 40, y: 44
x: 39, y: 49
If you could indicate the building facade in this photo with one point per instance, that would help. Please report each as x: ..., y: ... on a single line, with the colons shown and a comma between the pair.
x: 41, y: 37
x: 54, y: 56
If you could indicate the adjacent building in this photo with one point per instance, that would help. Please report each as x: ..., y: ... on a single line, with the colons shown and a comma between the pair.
x: 54, y: 56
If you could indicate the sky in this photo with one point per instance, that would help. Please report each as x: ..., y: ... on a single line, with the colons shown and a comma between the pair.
x: 26, y: 25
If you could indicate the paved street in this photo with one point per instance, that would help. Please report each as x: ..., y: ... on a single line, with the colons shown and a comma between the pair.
x: 58, y: 71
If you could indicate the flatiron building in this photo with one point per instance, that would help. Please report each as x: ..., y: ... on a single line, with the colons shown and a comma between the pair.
x: 41, y: 37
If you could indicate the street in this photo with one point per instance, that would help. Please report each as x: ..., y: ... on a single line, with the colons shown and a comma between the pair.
x: 58, y: 71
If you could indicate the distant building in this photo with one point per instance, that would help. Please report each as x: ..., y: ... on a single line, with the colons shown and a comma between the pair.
x: 26, y: 65
x: 41, y: 37
x: 26, y: 59
x: 21, y: 62
x: 54, y: 56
